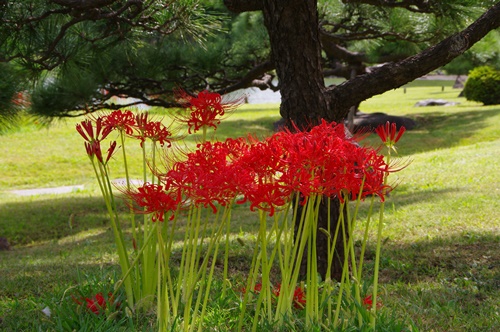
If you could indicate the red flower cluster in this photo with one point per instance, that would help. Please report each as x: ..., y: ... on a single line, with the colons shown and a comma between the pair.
x: 206, y: 176
x: 322, y: 161
x: 121, y: 120
x: 299, y: 295
x: 97, y: 304
x: 154, y: 130
x: 205, y: 110
x: 266, y: 173
x: 86, y: 130
x: 93, y: 140
x: 368, y: 302
x: 134, y: 126
x: 299, y: 298
x: 155, y: 199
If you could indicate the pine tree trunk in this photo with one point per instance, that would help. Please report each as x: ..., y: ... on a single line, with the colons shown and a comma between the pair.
x: 322, y: 241
x: 295, y: 51
x: 298, y: 64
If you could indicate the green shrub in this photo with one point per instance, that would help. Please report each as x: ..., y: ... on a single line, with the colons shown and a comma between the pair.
x: 483, y: 85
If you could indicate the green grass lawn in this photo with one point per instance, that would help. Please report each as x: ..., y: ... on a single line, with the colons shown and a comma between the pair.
x: 441, y: 255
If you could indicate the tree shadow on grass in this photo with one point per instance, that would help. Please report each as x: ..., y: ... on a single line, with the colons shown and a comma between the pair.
x: 442, y: 129
x: 451, y: 283
x: 402, y: 198
x: 43, y: 219
x: 469, y: 254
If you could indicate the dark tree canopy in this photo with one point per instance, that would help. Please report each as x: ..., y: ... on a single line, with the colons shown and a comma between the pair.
x: 76, y: 56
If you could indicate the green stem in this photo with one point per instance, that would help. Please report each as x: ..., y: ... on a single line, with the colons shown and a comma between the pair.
x: 225, y: 279
x: 250, y: 285
x: 131, y: 209
x: 344, y: 281
x: 365, y: 238
x: 377, y: 252
x: 136, y: 259
x: 115, y: 225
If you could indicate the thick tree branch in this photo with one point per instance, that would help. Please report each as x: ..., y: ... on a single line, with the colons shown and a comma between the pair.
x: 333, y: 50
x: 336, y: 51
x: 256, y: 73
x: 394, y: 75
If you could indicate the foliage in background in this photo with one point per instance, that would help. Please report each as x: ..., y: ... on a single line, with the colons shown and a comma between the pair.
x: 11, y: 94
x: 81, y: 57
x: 485, y: 53
x: 483, y: 85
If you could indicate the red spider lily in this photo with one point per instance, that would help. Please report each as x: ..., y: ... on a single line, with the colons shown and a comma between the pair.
x: 93, y: 140
x: 368, y: 302
x: 141, y: 120
x: 324, y: 161
x: 111, y: 150
x: 120, y: 120
x: 218, y: 172
x: 389, y: 134
x: 267, y: 196
x: 155, y: 199
x: 154, y: 130
x: 207, y: 176
x: 206, y: 109
x: 299, y: 298
x: 276, y: 290
x: 263, y: 159
x: 97, y: 304
x: 369, y: 171
x: 260, y: 165
x: 256, y: 289
x: 237, y: 147
x: 86, y: 130
x: 94, y: 149
x: 89, y: 147
x: 157, y: 132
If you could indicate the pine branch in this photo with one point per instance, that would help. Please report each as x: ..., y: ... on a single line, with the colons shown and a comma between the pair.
x: 417, y: 6
x: 393, y: 75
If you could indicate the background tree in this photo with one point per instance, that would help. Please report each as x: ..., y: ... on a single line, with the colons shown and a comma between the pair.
x: 78, y: 56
